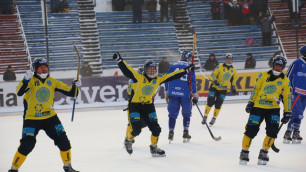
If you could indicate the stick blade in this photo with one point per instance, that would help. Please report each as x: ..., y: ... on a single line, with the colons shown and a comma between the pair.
x: 217, y: 138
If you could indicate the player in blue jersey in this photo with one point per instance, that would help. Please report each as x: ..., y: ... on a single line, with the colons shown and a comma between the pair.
x: 297, y: 75
x: 179, y: 95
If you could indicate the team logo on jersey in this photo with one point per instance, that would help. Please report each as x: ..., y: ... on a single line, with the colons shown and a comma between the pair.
x: 279, y: 83
x: 154, y: 82
x: 43, y: 95
x: 270, y: 89
x: 232, y: 71
x: 226, y: 76
x: 49, y: 83
x: 39, y: 107
x: 147, y: 90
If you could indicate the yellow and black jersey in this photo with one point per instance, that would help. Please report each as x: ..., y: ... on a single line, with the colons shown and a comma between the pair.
x: 268, y: 89
x: 225, y: 75
x: 144, y: 88
x: 39, y: 96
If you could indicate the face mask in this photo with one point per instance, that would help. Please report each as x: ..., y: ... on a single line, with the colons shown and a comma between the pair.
x: 276, y: 73
x: 43, y: 75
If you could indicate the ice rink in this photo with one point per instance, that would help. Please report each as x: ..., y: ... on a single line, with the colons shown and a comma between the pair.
x: 97, y: 136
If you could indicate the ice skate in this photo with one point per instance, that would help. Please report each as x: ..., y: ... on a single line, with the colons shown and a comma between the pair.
x: 287, y: 137
x: 170, y: 137
x: 133, y: 141
x: 128, y: 146
x: 244, y: 157
x: 69, y: 169
x: 213, y: 120
x: 204, y: 120
x: 263, y: 157
x: 186, y: 136
x: 156, y: 152
x: 11, y: 170
x: 296, y: 138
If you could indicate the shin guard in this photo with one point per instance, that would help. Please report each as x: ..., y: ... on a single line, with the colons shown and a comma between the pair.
x: 18, y: 160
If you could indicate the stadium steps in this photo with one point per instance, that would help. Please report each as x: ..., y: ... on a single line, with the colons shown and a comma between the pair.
x: 12, y: 45
x: 288, y: 36
x: 89, y: 33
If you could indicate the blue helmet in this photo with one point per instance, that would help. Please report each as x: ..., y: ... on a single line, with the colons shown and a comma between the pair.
x: 39, y: 62
x: 186, y: 55
x: 303, y: 51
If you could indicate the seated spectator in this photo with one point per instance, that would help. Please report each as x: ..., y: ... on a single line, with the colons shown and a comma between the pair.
x: 6, y: 6
x: 250, y: 41
x: 270, y: 63
x: 163, y: 66
x: 9, y: 74
x: 250, y: 62
x: 59, y: 6
x: 86, y: 70
x: 211, y: 63
x: 215, y: 9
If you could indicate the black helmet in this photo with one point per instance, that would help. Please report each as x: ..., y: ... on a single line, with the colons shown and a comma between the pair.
x: 149, y: 64
x: 38, y: 62
x: 279, y: 60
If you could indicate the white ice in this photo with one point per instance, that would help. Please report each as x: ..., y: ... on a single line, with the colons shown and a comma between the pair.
x: 97, y: 136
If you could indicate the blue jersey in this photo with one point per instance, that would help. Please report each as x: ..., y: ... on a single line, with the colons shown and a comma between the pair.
x: 180, y: 87
x: 297, y: 76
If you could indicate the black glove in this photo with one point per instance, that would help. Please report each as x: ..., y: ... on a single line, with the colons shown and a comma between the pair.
x: 233, y: 89
x: 286, y: 117
x: 195, y: 98
x: 117, y: 56
x: 216, y: 83
x: 249, y: 107
x: 189, y: 68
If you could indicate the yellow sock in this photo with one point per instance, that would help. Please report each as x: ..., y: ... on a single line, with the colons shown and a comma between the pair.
x: 216, y: 112
x: 66, y: 156
x: 246, y: 142
x: 18, y: 160
x: 207, y: 110
x: 129, y: 136
x: 267, y: 143
x: 154, y: 140
x: 129, y: 129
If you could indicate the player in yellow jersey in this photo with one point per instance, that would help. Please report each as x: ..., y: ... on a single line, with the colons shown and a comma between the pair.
x: 264, y: 105
x: 224, y: 75
x: 38, y: 89
x: 141, y: 105
x: 130, y: 91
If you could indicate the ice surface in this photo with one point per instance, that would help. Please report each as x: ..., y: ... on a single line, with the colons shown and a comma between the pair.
x: 97, y: 137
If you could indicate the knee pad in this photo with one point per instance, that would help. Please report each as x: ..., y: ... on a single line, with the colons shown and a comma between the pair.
x: 137, y: 126
x: 211, y: 98
x: 62, y: 142
x: 219, y: 101
x: 251, y: 131
x: 27, y: 145
x: 156, y: 130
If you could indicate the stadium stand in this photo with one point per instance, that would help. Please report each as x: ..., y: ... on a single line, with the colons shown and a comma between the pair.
x: 63, y: 32
x: 136, y: 42
x: 215, y: 36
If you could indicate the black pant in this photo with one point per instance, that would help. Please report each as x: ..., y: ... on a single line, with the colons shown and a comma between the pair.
x: 215, y: 97
x: 266, y: 38
x: 53, y: 128
x: 257, y: 115
x: 145, y: 112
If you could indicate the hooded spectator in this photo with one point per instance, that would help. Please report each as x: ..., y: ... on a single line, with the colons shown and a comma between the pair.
x: 211, y: 63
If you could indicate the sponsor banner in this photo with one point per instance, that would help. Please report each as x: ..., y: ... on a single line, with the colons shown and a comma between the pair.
x: 111, y: 91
